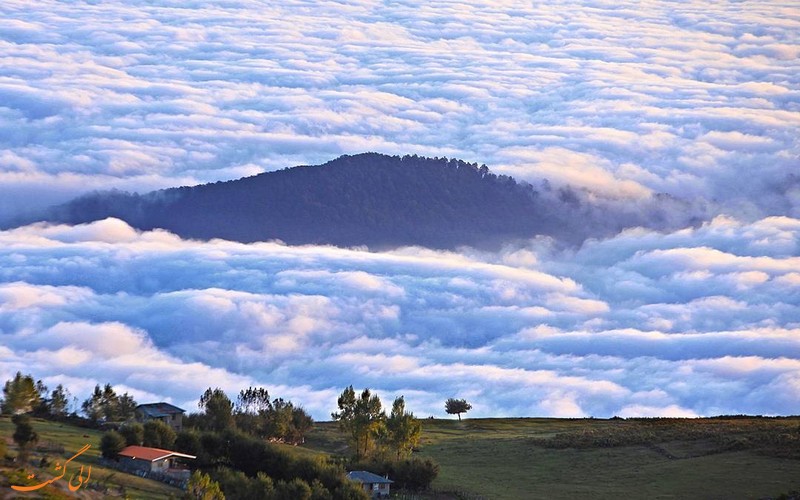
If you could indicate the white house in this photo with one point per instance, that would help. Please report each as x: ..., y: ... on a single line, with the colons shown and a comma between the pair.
x: 375, y: 485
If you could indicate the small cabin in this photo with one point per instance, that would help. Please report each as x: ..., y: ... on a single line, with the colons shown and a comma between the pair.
x: 376, y: 486
x: 146, y: 461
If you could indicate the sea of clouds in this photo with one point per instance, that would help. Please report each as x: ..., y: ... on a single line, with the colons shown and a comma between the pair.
x: 702, y: 321
x: 696, y: 99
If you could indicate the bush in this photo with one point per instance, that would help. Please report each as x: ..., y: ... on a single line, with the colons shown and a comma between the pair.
x: 158, y: 434
x: 188, y: 442
x: 201, y: 487
x: 133, y: 433
x: 111, y: 444
x: 412, y: 474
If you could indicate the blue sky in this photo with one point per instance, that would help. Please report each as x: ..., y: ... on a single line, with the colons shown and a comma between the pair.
x: 625, y: 101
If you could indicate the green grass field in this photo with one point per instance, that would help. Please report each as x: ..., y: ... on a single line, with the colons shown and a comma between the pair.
x: 512, y: 458
x: 71, y: 439
x: 504, y: 459
x: 743, y: 458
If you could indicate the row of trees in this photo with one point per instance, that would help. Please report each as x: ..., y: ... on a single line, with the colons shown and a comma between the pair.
x: 364, y: 421
x: 253, y: 413
x: 22, y: 394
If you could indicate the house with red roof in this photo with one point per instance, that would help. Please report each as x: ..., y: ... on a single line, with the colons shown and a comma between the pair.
x: 147, y: 462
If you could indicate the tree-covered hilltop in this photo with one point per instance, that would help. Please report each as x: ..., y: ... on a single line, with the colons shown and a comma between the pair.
x: 375, y: 200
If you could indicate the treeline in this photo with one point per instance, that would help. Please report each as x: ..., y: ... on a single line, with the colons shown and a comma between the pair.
x: 232, y: 439
x: 21, y: 395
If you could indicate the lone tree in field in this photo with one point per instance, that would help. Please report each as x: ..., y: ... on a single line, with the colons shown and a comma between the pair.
x: 457, y: 407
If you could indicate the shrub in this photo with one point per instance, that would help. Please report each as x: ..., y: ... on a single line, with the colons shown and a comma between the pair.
x: 133, y: 433
x: 111, y: 444
x: 158, y: 434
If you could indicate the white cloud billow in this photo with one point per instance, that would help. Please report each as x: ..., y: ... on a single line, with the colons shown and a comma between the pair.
x: 639, y: 324
x: 625, y: 100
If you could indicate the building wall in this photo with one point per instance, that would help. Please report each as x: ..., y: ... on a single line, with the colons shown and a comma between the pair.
x: 132, y: 465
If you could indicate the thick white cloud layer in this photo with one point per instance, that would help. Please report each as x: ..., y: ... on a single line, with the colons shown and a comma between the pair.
x: 697, y: 322
x: 696, y: 99
x: 626, y: 99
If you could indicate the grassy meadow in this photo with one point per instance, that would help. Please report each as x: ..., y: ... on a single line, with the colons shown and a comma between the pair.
x: 516, y: 458
x: 520, y: 458
x: 58, y: 442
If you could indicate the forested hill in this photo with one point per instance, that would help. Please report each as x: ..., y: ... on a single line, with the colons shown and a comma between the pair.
x: 366, y: 199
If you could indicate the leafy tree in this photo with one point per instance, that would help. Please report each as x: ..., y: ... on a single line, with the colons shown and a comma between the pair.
x: 457, y: 407
x: 296, y: 489
x: 112, y: 443
x: 188, y: 442
x: 361, y: 418
x: 253, y: 400
x: 93, y: 406
x: 126, y: 407
x: 21, y: 394
x: 106, y: 405
x: 24, y: 435
x: 408, y: 474
x: 403, y: 430
x: 202, y: 487
x: 133, y: 432
x: 58, y: 402
x: 109, y: 404
x: 301, y: 424
x: 158, y: 434
x: 218, y: 409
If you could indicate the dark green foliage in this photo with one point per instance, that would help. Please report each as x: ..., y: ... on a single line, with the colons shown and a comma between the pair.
x: 361, y: 418
x: 412, y: 474
x: 158, y: 434
x: 280, y: 420
x: 106, y: 405
x: 366, y: 199
x: 24, y: 435
x: 246, y: 456
x: 58, y: 402
x: 112, y: 443
x: 235, y: 484
x: 403, y: 431
x: 296, y: 489
x: 218, y: 410
x: 202, y: 487
x: 457, y: 406
x: 188, y: 442
x: 133, y: 432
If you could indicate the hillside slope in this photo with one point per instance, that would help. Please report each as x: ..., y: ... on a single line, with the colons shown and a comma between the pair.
x: 370, y: 199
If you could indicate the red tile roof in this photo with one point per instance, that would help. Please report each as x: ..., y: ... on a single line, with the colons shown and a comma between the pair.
x: 150, y: 454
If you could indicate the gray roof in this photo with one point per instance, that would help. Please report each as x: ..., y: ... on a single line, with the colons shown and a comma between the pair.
x: 156, y: 410
x: 363, y: 476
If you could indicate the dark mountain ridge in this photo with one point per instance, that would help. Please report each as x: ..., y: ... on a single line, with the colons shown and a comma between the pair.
x: 369, y: 199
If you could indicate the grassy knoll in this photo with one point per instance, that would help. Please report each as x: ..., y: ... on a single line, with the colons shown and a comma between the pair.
x: 592, y: 458
x: 59, y: 442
